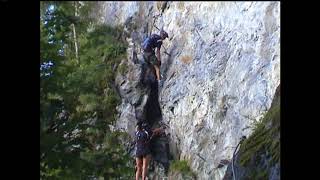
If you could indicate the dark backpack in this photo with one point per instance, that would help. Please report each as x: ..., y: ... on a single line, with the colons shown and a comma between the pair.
x: 142, y: 137
x: 151, y: 42
x: 146, y: 43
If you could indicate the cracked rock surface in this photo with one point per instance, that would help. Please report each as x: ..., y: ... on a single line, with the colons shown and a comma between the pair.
x: 220, y: 77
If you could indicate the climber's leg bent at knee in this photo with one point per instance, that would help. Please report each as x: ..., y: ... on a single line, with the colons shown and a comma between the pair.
x: 151, y: 58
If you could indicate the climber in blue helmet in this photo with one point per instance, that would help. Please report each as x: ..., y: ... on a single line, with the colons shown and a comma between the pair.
x: 149, y: 45
x: 143, y: 152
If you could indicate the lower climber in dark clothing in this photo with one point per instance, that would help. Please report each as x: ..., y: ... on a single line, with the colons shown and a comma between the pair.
x: 143, y: 151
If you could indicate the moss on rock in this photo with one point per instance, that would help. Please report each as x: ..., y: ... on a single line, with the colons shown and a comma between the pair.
x: 181, y: 167
x: 261, y: 151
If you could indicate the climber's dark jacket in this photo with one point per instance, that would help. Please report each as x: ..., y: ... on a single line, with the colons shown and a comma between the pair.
x: 151, y: 43
x: 143, y: 138
x: 149, y: 46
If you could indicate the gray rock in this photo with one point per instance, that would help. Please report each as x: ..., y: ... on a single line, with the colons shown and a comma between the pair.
x: 139, y: 92
x: 220, y: 77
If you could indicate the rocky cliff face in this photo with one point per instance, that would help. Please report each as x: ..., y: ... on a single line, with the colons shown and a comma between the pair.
x: 219, y: 79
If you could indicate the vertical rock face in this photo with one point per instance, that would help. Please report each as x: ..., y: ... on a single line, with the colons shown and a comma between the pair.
x: 220, y: 77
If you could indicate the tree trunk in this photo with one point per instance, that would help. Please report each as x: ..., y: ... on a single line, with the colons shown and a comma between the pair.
x: 74, y: 33
x: 75, y: 42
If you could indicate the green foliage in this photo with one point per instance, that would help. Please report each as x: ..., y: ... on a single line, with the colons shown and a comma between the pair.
x: 123, y: 68
x: 261, y: 150
x: 265, y: 138
x: 181, y: 167
x: 78, y: 100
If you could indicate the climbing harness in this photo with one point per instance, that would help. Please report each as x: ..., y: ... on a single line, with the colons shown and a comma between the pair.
x: 241, y: 140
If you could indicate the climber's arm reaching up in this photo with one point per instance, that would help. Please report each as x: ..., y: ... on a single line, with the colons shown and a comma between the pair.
x: 156, y: 132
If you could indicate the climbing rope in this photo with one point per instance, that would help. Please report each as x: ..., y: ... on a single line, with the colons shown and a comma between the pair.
x: 155, y: 17
x: 241, y: 140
